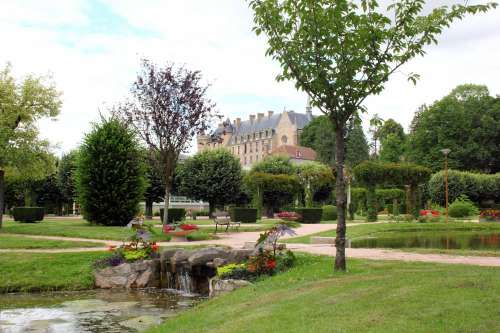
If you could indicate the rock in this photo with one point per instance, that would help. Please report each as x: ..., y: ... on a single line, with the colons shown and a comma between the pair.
x: 201, y: 257
x: 141, y: 274
x: 218, y: 262
x: 220, y: 287
x: 168, y: 254
x: 239, y: 255
x: 180, y: 256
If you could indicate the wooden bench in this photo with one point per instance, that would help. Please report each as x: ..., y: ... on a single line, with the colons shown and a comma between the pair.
x: 223, y: 219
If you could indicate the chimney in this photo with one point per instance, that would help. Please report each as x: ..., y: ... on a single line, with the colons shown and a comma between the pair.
x: 260, y: 116
x: 238, y: 122
x: 270, y: 113
x: 252, y: 118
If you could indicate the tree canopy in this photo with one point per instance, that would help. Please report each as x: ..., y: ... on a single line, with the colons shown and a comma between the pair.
x: 465, y: 121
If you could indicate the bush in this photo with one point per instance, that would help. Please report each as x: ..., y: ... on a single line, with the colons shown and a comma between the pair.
x: 476, y: 186
x: 28, y: 214
x: 463, y: 207
x: 200, y: 213
x: 110, y: 174
x: 174, y: 215
x: 329, y: 213
x: 198, y: 236
x: 309, y: 215
x: 243, y: 215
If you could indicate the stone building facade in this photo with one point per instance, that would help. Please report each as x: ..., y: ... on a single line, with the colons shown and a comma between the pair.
x: 261, y: 135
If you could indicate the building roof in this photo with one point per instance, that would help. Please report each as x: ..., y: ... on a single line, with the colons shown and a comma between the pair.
x: 296, y: 152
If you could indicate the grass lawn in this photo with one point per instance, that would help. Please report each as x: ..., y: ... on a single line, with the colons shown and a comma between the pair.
x: 72, y: 228
x: 374, y: 296
x: 47, y: 272
x: 16, y: 242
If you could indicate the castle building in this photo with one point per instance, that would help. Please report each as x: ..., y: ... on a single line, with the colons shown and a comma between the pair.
x: 261, y: 135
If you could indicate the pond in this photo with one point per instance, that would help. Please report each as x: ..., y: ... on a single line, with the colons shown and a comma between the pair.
x: 432, y: 239
x: 95, y: 311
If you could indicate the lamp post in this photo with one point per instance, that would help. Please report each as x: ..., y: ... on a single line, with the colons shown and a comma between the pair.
x: 446, y: 152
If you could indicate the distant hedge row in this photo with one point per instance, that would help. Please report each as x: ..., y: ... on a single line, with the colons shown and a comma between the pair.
x: 477, y: 187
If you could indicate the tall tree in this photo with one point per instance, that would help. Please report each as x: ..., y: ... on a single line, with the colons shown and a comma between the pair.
x: 465, y: 121
x: 375, y: 125
x: 319, y: 135
x: 342, y: 51
x: 66, y: 177
x: 155, y: 190
x: 212, y: 175
x: 393, y: 141
x: 22, y: 104
x: 390, y: 126
x: 110, y: 174
x: 168, y: 108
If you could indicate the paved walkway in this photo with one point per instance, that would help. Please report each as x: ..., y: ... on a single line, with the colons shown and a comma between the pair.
x: 239, y: 239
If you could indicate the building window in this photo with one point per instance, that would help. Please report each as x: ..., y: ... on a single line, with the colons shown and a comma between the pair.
x: 251, y: 159
x: 284, y: 139
x: 245, y: 161
x: 257, y: 147
x: 238, y: 150
x: 248, y: 137
x: 245, y: 150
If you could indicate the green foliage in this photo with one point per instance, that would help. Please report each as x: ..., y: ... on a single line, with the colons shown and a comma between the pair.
x: 477, y: 187
x: 228, y: 269
x: 174, y: 214
x: 319, y: 135
x: 198, y: 236
x: 312, y: 176
x: 467, y: 122
x: 66, y: 175
x: 200, y: 213
x: 371, y: 204
x: 309, y: 215
x: 212, y: 175
x: 110, y: 174
x: 134, y: 255
x: 392, y: 148
x: 463, y: 207
x: 243, y: 215
x: 391, y: 127
x: 28, y: 214
x: 276, y: 165
x: 329, y: 213
x: 373, y: 173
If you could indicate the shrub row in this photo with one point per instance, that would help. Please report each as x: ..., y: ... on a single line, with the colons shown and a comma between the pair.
x: 478, y: 187
x: 28, y: 214
x: 309, y: 215
x: 174, y: 214
x: 329, y: 213
x: 200, y: 213
x: 384, y: 199
x: 243, y: 215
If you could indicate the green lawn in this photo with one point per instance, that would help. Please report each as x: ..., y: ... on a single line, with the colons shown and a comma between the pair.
x: 18, y: 242
x: 47, y: 272
x: 374, y: 296
x: 72, y: 228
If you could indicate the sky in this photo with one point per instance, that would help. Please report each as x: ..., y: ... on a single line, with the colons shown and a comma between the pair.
x: 92, y: 51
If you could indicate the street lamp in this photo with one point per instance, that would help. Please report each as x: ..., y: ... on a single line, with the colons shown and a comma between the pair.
x: 446, y: 152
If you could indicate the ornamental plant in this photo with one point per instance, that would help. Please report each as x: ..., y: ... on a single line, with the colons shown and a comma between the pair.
x: 490, y: 215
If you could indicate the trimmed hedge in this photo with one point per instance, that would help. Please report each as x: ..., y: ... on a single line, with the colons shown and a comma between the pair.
x: 174, y: 214
x: 28, y: 214
x: 200, y: 213
x: 329, y: 213
x: 477, y: 187
x: 463, y: 207
x: 310, y: 215
x: 243, y: 215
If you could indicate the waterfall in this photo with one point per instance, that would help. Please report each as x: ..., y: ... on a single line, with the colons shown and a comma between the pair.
x: 178, y: 278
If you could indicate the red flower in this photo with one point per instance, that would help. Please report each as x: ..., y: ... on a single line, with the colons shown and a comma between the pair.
x: 271, y: 264
x: 187, y: 227
x: 167, y: 229
x: 111, y: 248
x: 155, y: 247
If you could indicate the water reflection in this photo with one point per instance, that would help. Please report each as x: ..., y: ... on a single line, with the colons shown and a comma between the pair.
x: 435, y: 240
x: 89, y: 311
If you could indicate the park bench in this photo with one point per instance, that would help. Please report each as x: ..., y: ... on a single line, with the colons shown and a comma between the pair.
x: 223, y: 219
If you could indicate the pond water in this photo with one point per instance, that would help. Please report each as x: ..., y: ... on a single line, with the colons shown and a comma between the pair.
x: 96, y: 311
x: 435, y: 240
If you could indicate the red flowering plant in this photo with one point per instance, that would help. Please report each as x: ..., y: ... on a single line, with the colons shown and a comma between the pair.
x: 140, y: 244
x: 490, y: 215
x: 181, y: 229
x: 289, y: 216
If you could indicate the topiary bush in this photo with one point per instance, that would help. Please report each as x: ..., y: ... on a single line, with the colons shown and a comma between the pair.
x: 200, y: 213
x: 462, y: 207
x: 309, y: 215
x: 174, y: 215
x: 243, y: 215
x: 28, y: 214
x: 110, y: 174
x: 329, y: 213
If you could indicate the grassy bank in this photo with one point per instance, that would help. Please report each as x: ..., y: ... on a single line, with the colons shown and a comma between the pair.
x: 72, y: 228
x: 47, y: 272
x: 19, y: 242
x: 374, y: 296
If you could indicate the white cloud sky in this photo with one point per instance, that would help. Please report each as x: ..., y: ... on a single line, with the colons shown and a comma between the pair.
x: 92, y: 48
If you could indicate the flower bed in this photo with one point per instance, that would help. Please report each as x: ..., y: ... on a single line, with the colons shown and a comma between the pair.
x: 289, y: 216
x: 489, y: 215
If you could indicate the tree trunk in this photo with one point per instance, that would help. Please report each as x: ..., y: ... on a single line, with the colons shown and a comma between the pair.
x: 2, y: 197
x: 149, y: 209
x: 166, y: 205
x: 340, y: 260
